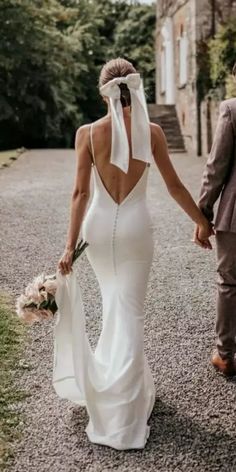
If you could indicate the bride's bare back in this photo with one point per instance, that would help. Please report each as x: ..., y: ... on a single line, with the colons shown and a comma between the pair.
x: 117, y: 183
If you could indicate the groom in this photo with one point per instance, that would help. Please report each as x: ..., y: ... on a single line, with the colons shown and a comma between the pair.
x: 220, y: 178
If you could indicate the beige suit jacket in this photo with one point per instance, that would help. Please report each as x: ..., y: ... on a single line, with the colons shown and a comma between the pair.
x: 219, y: 178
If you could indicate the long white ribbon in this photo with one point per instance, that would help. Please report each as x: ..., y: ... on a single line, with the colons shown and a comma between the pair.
x: 140, y: 127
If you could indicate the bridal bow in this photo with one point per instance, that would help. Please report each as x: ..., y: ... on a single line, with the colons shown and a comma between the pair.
x: 140, y: 127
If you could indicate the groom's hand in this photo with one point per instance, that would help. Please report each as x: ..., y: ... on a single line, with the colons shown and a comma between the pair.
x: 202, y: 234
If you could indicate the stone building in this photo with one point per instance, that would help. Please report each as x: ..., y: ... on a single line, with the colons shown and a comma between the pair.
x: 181, y: 25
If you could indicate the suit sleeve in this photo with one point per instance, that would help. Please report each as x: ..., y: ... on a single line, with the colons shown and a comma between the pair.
x: 219, y: 163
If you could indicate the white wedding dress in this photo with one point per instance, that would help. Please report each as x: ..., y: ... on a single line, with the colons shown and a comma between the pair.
x: 114, y: 383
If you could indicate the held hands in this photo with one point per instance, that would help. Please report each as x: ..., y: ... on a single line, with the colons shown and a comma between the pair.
x: 202, y: 234
x: 65, y: 263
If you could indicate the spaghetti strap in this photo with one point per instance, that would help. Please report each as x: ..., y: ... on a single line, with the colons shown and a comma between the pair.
x: 91, y: 143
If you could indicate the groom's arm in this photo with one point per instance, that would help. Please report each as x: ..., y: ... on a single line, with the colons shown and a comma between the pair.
x: 218, y: 164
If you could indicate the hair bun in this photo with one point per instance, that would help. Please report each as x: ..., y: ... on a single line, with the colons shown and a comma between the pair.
x: 125, y: 95
x: 118, y: 67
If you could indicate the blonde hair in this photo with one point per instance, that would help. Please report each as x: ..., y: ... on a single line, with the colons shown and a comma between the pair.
x: 118, y: 68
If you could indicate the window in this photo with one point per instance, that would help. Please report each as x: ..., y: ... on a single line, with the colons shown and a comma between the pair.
x: 163, y: 70
x: 183, y: 58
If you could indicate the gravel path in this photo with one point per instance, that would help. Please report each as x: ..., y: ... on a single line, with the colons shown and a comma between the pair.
x: 193, y: 423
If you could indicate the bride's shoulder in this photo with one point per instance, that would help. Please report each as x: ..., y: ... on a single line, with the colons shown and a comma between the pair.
x: 102, y: 122
x: 82, y: 134
x: 85, y: 128
x: 157, y: 132
x: 158, y: 139
x: 155, y: 128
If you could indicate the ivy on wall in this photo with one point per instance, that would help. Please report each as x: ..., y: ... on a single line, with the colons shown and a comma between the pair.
x: 216, y: 58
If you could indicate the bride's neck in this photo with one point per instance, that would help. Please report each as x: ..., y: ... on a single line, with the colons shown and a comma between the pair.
x: 126, y: 110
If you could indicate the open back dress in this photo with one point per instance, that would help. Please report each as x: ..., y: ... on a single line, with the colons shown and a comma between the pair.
x: 114, y: 382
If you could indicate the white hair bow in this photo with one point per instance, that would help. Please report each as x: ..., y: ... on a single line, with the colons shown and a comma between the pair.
x: 140, y: 127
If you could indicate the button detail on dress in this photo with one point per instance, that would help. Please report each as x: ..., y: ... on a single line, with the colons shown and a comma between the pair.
x: 114, y: 238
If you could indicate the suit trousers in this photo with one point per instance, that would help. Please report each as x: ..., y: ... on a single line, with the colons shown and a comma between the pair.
x: 226, y: 299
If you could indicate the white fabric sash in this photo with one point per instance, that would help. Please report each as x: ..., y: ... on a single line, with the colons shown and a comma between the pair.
x: 140, y: 127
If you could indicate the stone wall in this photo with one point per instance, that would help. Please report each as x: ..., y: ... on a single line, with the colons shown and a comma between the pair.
x: 183, y: 18
x: 169, y: 7
x: 186, y: 94
x: 224, y: 9
x: 199, y: 20
x: 209, y: 117
x: 208, y: 18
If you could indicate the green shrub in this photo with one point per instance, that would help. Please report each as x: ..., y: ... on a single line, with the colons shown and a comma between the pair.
x: 51, y: 52
x: 230, y: 87
x: 223, y: 53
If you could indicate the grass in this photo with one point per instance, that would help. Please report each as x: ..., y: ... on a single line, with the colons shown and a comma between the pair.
x: 12, y: 334
x: 7, y: 157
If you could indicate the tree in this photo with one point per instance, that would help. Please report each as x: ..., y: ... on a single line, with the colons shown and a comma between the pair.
x: 103, y: 16
x: 38, y: 72
x: 223, y: 53
x: 51, y: 53
x: 134, y: 40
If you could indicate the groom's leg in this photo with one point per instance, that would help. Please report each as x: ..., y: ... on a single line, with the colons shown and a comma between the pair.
x: 226, y: 300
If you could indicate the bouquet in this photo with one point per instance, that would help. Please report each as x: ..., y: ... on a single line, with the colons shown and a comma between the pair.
x: 38, y: 302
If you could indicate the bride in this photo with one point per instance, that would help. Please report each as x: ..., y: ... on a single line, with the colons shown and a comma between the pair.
x: 114, y: 383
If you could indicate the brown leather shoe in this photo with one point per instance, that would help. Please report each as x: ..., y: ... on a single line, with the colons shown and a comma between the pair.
x: 225, y: 366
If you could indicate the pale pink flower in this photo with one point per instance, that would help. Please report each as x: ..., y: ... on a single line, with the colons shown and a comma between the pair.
x: 39, y: 280
x: 20, y: 304
x: 50, y: 286
x: 32, y: 314
x: 32, y: 290
x: 43, y: 295
x: 29, y: 315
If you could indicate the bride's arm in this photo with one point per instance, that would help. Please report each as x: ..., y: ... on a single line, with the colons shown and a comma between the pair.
x: 80, y: 196
x: 176, y: 188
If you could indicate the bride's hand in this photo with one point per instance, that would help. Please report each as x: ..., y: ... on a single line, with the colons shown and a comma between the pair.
x: 202, y: 234
x: 65, y: 263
